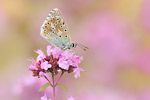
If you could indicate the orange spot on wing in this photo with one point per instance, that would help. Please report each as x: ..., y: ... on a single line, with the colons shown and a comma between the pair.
x: 45, y: 33
x: 54, y: 19
x: 46, y: 27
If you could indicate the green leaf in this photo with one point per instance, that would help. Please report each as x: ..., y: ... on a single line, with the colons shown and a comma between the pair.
x: 62, y: 86
x: 45, y: 86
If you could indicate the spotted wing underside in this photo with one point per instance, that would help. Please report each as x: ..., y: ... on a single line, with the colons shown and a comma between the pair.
x: 55, y: 30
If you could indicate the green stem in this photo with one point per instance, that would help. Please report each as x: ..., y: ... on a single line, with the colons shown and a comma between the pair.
x: 53, y: 87
x: 47, y: 79
x: 59, y: 78
x: 55, y: 84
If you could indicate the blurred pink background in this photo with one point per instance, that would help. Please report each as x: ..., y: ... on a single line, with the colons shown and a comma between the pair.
x: 116, y: 31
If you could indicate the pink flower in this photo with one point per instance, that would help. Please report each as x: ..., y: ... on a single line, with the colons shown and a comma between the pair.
x: 63, y: 64
x: 76, y: 60
x: 33, y: 61
x: 55, y: 61
x: 71, y: 98
x: 49, y: 50
x: 41, y: 55
x: 45, y: 65
x: 67, y: 55
x: 45, y: 97
x: 56, y: 52
x: 77, y: 72
x: 42, y: 74
x: 66, y: 59
x: 31, y: 67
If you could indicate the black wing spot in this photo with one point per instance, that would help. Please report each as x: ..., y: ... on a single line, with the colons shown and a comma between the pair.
x: 65, y: 30
x: 73, y: 45
x: 66, y: 36
x: 60, y: 36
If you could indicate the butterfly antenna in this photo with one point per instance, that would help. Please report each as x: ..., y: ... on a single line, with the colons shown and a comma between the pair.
x: 82, y: 46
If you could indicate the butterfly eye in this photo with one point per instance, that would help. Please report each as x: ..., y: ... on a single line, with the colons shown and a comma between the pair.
x: 73, y: 45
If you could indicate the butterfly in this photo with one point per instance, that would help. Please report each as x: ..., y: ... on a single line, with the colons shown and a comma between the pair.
x: 55, y: 30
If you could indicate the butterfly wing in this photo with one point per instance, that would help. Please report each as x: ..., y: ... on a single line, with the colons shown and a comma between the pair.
x: 54, y: 29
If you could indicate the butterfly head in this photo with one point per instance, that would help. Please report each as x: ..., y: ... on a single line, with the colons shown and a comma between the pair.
x: 70, y: 46
x: 74, y: 45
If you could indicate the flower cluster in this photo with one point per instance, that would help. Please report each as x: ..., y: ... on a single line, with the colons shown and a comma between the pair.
x: 55, y: 61
x: 45, y: 98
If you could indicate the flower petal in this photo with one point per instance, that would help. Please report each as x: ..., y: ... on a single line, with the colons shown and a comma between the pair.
x: 77, y: 72
x: 41, y: 74
x: 56, y: 52
x: 71, y: 98
x: 63, y: 64
x: 49, y: 50
x: 33, y: 61
x: 67, y: 54
x: 45, y: 97
x: 45, y: 65
x: 31, y: 67
x: 76, y: 60
x: 41, y: 55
